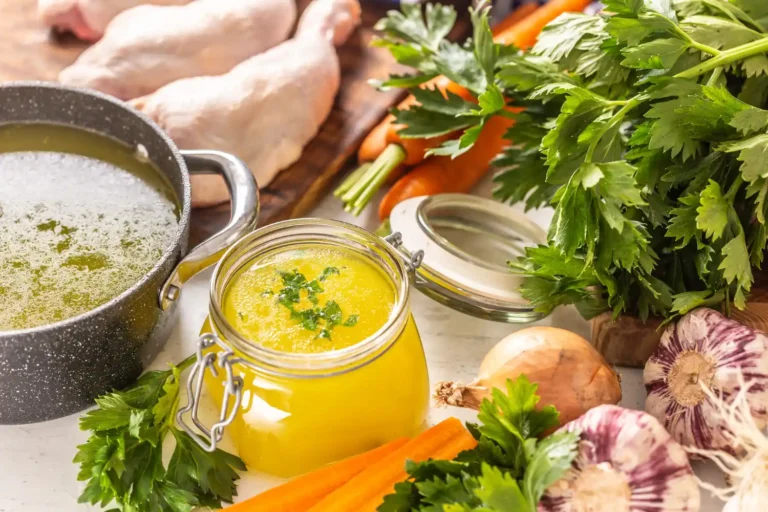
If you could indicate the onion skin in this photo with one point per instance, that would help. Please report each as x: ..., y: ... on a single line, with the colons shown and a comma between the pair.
x: 706, y: 349
x: 643, y: 469
x: 570, y: 372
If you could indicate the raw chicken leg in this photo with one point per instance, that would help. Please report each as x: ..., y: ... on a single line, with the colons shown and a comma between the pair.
x: 267, y: 108
x: 149, y: 46
x: 87, y: 19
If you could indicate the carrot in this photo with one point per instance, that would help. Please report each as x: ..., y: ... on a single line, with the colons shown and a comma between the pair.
x: 305, y: 491
x: 463, y: 441
x: 386, y: 131
x: 524, y: 34
x: 441, y: 174
x: 415, y: 148
x: 383, y: 134
x: 374, y: 483
x: 390, y: 151
x: 514, y: 17
x: 375, y: 142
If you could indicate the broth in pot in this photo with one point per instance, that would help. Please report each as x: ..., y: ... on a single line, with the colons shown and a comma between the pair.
x: 82, y: 219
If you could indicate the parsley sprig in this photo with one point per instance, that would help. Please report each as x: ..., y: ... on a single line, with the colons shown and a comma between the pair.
x: 646, y: 127
x: 510, y: 468
x: 326, y: 317
x: 122, y: 460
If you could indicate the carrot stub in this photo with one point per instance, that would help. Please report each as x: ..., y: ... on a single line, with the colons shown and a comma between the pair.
x: 366, y: 491
x: 305, y: 491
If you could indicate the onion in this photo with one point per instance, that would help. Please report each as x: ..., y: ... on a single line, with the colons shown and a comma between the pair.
x: 626, y: 462
x: 747, y: 474
x: 705, y: 350
x: 571, y: 374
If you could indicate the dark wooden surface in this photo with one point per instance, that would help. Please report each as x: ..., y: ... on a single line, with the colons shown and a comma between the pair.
x: 28, y: 51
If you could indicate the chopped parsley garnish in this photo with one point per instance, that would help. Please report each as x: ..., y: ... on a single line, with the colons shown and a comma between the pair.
x: 327, y: 272
x: 316, y: 317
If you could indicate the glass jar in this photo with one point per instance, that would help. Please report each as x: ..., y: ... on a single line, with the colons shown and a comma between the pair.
x: 289, y: 413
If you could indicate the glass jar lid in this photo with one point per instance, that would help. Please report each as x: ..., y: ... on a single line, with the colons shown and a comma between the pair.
x: 467, y: 242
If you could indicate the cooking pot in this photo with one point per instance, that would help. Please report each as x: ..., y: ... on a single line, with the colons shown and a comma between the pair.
x: 53, y: 370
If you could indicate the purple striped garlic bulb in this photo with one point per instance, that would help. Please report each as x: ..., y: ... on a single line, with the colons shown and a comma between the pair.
x: 704, y: 349
x: 626, y: 462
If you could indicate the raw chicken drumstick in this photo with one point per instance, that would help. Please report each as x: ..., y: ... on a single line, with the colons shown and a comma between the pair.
x: 267, y: 108
x: 149, y: 46
x: 87, y: 19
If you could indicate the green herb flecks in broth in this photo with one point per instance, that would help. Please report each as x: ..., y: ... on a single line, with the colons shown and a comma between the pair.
x: 81, y: 220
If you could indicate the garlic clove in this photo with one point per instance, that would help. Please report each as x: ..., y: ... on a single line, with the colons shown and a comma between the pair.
x: 626, y: 459
x: 705, y: 349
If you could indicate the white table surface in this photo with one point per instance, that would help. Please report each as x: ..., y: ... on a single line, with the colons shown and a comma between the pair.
x: 36, y: 469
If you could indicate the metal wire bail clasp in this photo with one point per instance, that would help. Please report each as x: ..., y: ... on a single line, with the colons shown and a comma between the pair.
x: 412, y: 261
x: 233, y: 387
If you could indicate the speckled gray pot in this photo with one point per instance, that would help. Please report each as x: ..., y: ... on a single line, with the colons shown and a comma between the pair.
x: 58, y: 369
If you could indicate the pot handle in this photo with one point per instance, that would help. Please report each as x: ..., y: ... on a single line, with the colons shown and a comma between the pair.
x: 245, y: 213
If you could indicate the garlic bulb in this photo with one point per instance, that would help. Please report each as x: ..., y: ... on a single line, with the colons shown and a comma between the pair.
x: 747, y: 474
x: 705, y: 349
x: 627, y: 462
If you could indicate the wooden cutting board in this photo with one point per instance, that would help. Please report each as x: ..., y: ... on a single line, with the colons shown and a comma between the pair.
x: 30, y: 52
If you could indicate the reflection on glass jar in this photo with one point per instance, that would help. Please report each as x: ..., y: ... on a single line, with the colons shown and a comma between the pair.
x: 316, y: 315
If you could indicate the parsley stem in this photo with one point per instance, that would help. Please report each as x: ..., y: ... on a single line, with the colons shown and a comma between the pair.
x: 617, y: 118
x: 704, y: 48
x: 189, y: 361
x: 715, y: 76
x: 731, y: 194
x: 727, y: 57
x: 693, y: 44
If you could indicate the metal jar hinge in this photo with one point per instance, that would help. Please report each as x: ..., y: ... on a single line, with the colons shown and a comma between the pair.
x: 233, y: 387
x: 412, y: 261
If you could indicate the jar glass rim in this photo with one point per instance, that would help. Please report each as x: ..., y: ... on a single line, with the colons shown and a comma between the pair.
x: 321, y: 231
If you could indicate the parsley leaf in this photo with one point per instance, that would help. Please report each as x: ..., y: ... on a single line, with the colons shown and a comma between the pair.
x: 736, y: 267
x: 435, y: 115
x: 753, y: 152
x: 656, y: 54
x: 713, y: 212
x: 688, y: 301
x: 550, y: 459
x: 412, y: 26
x: 122, y: 460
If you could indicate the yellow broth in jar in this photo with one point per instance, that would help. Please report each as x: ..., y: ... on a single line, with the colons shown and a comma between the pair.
x: 81, y: 220
x: 312, y: 300
x: 309, y: 300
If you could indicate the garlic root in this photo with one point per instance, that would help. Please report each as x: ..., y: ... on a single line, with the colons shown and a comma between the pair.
x: 570, y: 372
x: 746, y: 475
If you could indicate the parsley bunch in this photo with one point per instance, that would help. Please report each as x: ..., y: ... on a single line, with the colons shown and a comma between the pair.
x: 510, y: 468
x: 122, y: 461
x: 644, y: 126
